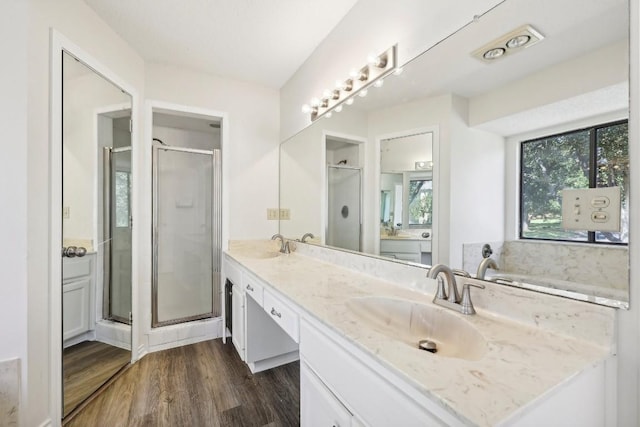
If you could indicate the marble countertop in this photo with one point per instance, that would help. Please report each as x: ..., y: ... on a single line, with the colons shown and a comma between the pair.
x: 522, y: 361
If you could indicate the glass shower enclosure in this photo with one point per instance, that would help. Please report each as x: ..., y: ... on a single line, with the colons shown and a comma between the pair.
x: 186, y: 235
x: 344, y: 200
x: 117, y: 234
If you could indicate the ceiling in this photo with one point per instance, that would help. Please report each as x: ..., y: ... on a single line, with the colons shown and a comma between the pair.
x: 260, y: 41
x: 571, y: 28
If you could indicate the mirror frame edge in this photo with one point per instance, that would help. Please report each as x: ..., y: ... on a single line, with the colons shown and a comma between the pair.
x: 58, y: 43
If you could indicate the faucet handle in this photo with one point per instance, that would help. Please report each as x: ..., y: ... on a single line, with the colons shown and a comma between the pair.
x: 467, y: 305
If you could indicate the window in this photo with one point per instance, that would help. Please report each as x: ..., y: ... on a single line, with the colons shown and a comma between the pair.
x: 122, y: 198
x: 420, y: 202
x: 586, y: 158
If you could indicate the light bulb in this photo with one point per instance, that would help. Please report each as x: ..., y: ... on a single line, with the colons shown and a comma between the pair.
x: 327, y: 93
x: 306, y: 108
x: 328, y: 115
x: 338, y: 109
x: 314, y: 102
x: 349, y: 101
x: 363, y: 93
x: 379, y: 83
x: 398, y: 71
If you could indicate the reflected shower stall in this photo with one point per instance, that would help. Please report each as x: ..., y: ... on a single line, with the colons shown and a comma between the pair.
x: 344, y: 186
x: 186, y: 234
x: 117, y: 221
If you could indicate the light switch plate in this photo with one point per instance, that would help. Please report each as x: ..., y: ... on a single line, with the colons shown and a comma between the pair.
x: 285, y: 214
x: 273, y: 214
x: 591, y: 209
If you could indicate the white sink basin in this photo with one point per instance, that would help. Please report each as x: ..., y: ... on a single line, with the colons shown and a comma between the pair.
x: 261, y: 254
x: 411, y: 322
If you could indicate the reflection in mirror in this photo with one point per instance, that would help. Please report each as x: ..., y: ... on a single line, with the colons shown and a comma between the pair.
x: 482, y: 113
x: 406, y: 184
x: 96, y: 231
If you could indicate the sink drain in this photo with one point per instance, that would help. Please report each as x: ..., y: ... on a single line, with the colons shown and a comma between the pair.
x: 427, y: 345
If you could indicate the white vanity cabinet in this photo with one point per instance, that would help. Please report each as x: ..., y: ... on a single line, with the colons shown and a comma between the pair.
x: 78, y: 280
x: 237, y: 319
x: 318, y: 406
x: 264, y: 328
x: 405, y: 249
x: 343, y: 384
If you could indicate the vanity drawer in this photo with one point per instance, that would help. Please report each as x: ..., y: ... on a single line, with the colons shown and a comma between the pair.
x: 284, y: 316
x: 425, y: 246
x: 252, y: 287
x: 399, y: 246
x: 76, y: 267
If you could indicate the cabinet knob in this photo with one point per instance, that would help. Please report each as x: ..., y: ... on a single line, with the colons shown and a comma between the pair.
x: 250, y: 288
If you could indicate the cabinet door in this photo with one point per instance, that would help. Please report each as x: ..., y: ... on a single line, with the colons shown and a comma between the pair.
x: 237, y: 320
x: 75, y: 308
x: 318, y: 406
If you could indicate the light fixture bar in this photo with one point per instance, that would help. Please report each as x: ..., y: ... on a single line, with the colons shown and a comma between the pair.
x: 358, y: 80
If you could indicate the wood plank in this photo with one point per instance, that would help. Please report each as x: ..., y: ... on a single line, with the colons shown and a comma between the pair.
x: 86, y: 367
x: 204, y: 384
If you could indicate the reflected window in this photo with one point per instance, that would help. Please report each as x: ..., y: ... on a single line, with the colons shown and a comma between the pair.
x: 587, y: 158
x: 420, y: 202
x: 122, y: 197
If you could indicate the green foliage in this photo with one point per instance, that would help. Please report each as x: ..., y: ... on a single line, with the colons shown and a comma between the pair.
x: 421, y: 202
x: 554, y: 163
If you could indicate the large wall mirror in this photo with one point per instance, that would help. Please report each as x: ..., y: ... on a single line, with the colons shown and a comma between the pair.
x: 96, y: 231
x: 457, y: 197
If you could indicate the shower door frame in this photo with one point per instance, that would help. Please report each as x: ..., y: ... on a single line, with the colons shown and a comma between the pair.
x: 216, y: 233
x: 107, y: 174
x: 360, y: 202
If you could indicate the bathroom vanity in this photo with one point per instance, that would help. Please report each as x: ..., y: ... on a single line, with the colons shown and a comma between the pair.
x: 523, y: 359
x: 78, y: 295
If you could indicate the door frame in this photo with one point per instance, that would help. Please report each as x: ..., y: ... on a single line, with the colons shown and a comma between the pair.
x: 59, y: 44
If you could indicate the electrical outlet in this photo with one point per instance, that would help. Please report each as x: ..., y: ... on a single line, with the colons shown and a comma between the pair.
x: 66, y: 212
x: 273, y: 214
x: 285, y: 214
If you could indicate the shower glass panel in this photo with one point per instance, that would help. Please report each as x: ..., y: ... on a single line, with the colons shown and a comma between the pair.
x: 117, y: 295
x: 344, y: 206
x: 186, y: 189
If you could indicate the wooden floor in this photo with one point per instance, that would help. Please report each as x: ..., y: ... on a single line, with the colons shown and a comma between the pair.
x: 86, y: 367
x: 204, y: 384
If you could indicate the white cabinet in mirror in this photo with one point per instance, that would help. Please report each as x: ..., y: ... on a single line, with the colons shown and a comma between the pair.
x: 466, y: 191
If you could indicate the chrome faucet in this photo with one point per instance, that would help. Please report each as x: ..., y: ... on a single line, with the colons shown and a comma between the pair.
x: 453, y: 300
x: 284, y: 244
x: 304, y: 237
x: 485, y: 264
x: 452, y: 294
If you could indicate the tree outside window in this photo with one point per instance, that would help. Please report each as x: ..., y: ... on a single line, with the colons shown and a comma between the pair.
x: 586, y: 158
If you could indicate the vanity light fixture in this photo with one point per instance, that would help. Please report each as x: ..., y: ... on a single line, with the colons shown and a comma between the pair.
x: 512, y: 42
x: 377, y: 68
x: 424, y: 165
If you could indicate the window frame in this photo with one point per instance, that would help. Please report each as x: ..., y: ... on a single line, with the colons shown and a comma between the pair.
x: 592, y: 177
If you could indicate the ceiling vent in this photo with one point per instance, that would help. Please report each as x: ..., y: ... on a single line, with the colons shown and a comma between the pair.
x: 513, y: 42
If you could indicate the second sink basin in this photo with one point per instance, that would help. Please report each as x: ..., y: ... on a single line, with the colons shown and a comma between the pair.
x: 411, y: 322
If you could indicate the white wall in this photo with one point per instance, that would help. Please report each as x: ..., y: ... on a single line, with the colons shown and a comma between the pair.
x: 83, y: 96
x: 76, y: 21
x: 303, y: 160
x: 596, y: 70
x: 477, y: 192
x: 253, y: 139
x: 415, y: 25
x: 13, y: 174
